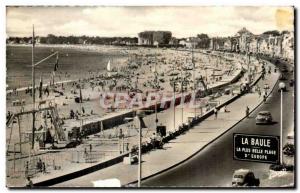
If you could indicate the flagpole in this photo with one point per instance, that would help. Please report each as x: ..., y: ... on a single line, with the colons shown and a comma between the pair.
x: 33, y: 81
x: 33, y: 89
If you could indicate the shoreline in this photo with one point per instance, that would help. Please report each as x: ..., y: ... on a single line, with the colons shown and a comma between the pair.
x: 91, y: 48
x: 44, y: 85
x: 83, y: 48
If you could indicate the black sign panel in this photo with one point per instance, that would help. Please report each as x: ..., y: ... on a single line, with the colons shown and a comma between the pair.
x: 259, y: 148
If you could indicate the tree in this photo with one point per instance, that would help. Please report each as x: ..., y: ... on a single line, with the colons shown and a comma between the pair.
x: 204, y: 41
x: 52, y: 39
x: 273, y: 33
x: 203, y: 36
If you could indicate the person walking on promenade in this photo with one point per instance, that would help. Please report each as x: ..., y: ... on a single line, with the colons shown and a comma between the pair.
x: 83, y: 110
x: 27, y: 169
x: 85, y: 152
x: 225, y: 109
x: 263, y: 76
x: 39, y: 165
x: 44, y: 167
x: 247, y: 112
x: 216, y: 112
x: 265, y: 97
x: 29, y: 183
x: 91, y: 147
x: 72, y: 114
x: 46, y: 91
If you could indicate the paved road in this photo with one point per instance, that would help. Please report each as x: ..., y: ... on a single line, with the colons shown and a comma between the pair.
x: 214, y: 165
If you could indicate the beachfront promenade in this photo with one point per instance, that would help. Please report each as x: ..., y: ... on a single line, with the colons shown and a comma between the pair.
x: 166, y: 119
x: 184, y: 146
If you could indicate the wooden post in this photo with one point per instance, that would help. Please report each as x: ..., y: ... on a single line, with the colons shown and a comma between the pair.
x: 140, y: 155
x: 20, y: 140
x: 14, y: 157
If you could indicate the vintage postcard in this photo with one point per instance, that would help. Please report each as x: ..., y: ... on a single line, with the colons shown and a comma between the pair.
x: 150, y: 96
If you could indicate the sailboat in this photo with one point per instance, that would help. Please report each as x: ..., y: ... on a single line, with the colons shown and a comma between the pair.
x: 108, y: 68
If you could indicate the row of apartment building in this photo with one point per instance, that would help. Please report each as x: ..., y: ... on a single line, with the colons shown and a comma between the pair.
x: 274, y: 45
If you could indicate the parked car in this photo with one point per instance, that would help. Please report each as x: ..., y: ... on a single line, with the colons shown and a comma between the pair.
x: 266, y: 86
x: 73, y: 144
x: 281, y: 167
x: 289, y: 149
x: 282, y: 77
x: 284, y: 69
x: 227, y: 91
x: 244, y: 178
x: 291, y: 82
x: 264, y: 117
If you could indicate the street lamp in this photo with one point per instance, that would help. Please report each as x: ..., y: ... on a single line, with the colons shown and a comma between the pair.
x: 181, y: 93
x: 194, y: 68
x: 174, y: 98
x: 281, y: 87
x: 174, y: 107
x: 156, y: 90
x: 138, y: 123
x: 248, y: 62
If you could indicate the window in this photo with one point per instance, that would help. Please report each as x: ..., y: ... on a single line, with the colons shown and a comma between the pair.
x: 238, y: 176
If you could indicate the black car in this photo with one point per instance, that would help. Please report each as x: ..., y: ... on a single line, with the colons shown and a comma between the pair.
x: 282, y: 77
x: 244, y: 178
x: 284, y: 69
x: 291, y: 82
x: 73, y: 144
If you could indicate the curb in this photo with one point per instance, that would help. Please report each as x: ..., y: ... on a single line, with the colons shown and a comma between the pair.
x: 79, y: 173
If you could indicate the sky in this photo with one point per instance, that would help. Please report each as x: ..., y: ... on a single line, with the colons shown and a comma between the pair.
x: 128, y: 21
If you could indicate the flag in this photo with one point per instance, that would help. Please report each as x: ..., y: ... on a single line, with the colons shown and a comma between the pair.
x: 139, y: 122
x: 56, y: 63
x: 143, y: 125
x: 41, y: 87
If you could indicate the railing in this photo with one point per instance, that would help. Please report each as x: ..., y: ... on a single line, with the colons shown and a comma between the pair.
x: 50, y: 161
